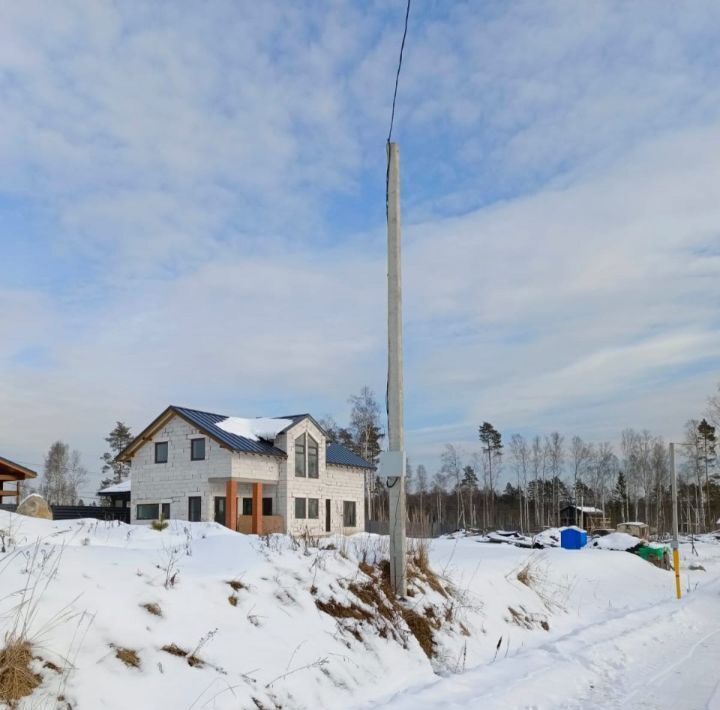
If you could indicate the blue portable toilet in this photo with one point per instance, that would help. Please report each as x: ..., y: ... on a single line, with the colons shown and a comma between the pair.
x: 573, y: 538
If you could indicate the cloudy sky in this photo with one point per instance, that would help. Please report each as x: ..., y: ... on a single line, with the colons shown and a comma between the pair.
x: 192, y: 212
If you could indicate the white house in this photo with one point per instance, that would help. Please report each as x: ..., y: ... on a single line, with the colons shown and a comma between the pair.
x: 253, y: 475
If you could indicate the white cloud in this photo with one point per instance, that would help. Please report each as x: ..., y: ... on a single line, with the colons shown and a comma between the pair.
x: 195, y: 164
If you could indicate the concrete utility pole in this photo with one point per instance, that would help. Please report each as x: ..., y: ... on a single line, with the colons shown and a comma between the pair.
x: 675, y: 544
x: 396, y: 433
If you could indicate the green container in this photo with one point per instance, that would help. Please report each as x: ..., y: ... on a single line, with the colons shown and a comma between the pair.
x: 651, y: 554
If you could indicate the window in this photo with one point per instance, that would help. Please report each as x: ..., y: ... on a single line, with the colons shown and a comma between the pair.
x: 267, y: 506
x: 147, y: 511
x: 300, y: 456
x: 165, y: 511
x: 313, y: 508
x: 300, y: 508
x: 312, y: 454
x: 161, y: 452
x: 349, y: 513
x: 195, y: 509
x: 197, y: 449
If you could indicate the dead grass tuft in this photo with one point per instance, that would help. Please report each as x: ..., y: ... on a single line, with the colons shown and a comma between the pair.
x: 128, y: 656
x: 152, y: 608
x: 17, y: 680
x: 174, y: 650
x: 192, y: 660
x: 341, y: 611
x: 233, y: 599
x: 237, y: 585
x: 421, y: 630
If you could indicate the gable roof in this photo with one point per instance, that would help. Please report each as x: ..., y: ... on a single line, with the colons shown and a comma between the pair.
x: 335, y: 454
x: 22, y: 473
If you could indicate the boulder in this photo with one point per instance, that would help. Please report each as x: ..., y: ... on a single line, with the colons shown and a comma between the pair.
x: 35, y: 506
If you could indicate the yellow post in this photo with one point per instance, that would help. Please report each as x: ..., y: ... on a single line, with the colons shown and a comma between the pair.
x: 676, y: 567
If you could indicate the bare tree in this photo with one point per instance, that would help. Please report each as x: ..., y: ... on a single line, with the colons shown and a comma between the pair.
x: 520, y: 453
x: 452, y: 467
x: 556, y: 457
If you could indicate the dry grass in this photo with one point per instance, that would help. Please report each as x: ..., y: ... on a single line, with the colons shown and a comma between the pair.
x: 421, y: 630
x: 128, y: 656
x: 152, y: 608
x: 233, y: 599
x: 237, y: 585
x: 17, y: 679
x: 175, y: 650
x: 377, y: 605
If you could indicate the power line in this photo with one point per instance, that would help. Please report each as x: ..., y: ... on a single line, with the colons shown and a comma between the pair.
x: 397, y: 75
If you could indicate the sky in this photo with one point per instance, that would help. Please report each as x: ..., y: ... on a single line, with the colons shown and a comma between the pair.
x: 192, y: 212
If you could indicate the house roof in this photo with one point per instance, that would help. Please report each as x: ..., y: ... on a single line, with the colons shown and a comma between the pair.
x: 336, y: 454
x: 585, y: 509
x: 20, y: 473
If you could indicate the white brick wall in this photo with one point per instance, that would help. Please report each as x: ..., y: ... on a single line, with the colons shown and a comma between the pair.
x: 173, y: 482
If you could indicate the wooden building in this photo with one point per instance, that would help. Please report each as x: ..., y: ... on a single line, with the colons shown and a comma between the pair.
x: 12, y: 476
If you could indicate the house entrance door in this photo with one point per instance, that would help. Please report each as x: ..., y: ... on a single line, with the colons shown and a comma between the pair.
x: 194, y: 509
x: 220, y: 509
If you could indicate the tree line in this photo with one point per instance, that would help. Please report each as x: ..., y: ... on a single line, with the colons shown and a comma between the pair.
x: 520, y: 483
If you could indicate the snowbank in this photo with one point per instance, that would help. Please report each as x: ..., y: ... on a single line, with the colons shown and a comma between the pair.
x: 282, y: 622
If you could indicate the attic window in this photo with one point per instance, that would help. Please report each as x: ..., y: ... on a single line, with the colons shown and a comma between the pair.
x: 197, y: 449
x: 312, y: 457
x: 161, y: 452
x: 300, y: 467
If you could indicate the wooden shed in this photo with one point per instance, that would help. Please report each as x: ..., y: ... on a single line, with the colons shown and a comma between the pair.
x: 12, y: 473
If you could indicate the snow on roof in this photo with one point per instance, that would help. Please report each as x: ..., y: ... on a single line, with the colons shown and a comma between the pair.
x: 122, y: 487
x: 265, y: 428
x: 589, y: 509
x: 633, y: 522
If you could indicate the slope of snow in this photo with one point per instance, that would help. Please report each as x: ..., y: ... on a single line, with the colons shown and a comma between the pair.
x: 267, y: 644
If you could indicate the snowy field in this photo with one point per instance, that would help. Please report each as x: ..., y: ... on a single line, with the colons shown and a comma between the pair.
x: 195, y: 616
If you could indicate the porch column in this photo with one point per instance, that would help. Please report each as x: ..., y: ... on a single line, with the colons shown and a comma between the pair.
x: 231, y: 505
x: 257, y: 509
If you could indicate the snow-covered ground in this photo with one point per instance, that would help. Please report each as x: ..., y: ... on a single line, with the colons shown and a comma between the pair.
x: 511, y: 628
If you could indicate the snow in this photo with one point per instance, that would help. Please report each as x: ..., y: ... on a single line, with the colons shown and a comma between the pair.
x: 589, y: 509
x: 612, y: 621
x: 259, y: 428
x: 122, y: 487
x: 617, y: 541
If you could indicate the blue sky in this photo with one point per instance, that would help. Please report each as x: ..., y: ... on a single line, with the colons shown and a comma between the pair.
x: 192, y: 212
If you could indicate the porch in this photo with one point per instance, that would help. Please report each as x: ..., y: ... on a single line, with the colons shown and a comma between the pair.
x: 252, y: 514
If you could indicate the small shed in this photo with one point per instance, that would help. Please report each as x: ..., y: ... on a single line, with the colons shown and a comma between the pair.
x: 117, y: 494
x: 13, y: 474
x: 573, y: 538
x: 587, y: 516
x: 641, y: 530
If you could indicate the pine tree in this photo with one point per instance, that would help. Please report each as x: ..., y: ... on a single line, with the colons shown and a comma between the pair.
x: 118, y: 439
x: 621, y: 493
x: 708, y: 455
x: 492, y: 439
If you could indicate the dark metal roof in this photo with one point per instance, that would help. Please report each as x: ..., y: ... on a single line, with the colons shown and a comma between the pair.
x: 338, y: 455
x: 207, y: 422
